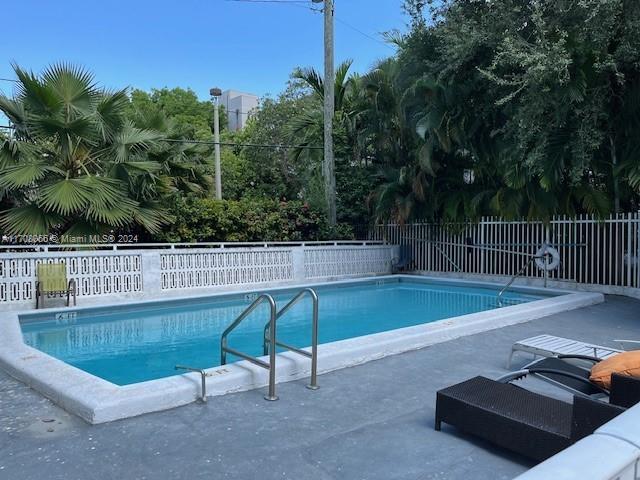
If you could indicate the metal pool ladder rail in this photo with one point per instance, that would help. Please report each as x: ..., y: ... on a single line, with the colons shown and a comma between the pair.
x: 271, y: 366
x: 203, y: 380
x: 513, y: 278
x: 270, y: 339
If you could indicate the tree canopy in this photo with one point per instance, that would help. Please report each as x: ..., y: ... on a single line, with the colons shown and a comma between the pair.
x: 192, y: 117
x: 505, y: 107
x: 521, y: 108
x: 516, y: 108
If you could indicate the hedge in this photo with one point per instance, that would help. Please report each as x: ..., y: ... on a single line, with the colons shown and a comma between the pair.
x: 250, y: 220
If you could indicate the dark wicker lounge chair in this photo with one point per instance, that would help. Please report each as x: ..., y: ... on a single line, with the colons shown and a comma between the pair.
x: 526, y: 422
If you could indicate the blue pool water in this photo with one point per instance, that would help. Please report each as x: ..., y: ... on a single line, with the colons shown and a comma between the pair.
x: 130, y: 344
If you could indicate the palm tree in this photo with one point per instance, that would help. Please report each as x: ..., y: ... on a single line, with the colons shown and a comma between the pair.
x: 76, y: 163
x: 448, y: 162
x: 306, y: 129
x: 307, y: 126
x: 382, y: 112
x: 183, y: 167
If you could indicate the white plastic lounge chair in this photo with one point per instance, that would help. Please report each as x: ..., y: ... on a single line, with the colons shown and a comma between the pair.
x: 629, y: 344
x: 550, y: 346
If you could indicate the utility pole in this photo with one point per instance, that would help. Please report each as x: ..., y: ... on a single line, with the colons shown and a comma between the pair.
x: 216, y: 93
x: 329, y: 108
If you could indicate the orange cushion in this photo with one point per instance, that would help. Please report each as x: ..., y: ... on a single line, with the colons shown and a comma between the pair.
x: 625, y: 363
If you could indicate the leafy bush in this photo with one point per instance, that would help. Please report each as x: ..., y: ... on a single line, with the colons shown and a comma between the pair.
x: 248, y: 220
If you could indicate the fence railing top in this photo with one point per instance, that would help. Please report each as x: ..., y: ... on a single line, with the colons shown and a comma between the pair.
x: 43, y: 248
x: 580, y: 218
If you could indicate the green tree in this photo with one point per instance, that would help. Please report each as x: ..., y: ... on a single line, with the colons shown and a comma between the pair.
x: 354, y: 173
x: 519, y: 108
x: 192, y: 117
x: 238, y: 178
x: 276, y: 170
x: 79, y: 164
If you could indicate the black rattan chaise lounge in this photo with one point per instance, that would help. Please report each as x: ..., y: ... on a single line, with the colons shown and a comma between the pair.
x: 526, y: 422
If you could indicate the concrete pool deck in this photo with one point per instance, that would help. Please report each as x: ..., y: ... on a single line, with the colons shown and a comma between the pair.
x: 373, y: 421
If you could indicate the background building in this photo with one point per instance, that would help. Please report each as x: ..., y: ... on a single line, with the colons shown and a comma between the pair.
x: 239, y: 107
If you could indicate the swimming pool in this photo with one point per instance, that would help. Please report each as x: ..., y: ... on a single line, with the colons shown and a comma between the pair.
x: 126, y: 345
x: 116, y: 361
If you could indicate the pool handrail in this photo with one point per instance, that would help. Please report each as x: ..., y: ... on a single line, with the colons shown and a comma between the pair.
x: 271, y: 366
x: 269, y: 339
x: 513, y: 277
x: 203, y: 379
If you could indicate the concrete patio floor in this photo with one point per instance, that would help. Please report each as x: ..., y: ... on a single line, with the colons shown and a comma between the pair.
x: 373, y: 421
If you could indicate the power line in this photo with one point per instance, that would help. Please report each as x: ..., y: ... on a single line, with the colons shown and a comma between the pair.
x: 224, y: 144
x: 271, y: 1
x: 305, y: 4
x: 293, y: 3
x: 238, y: 112
x: 253, y: 145
x: 355, y: 29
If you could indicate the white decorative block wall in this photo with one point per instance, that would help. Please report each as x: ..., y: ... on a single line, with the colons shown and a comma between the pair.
x: 95, y: 273
x: 152, y: 272
x: 324, y: 262
x: 187, y: 269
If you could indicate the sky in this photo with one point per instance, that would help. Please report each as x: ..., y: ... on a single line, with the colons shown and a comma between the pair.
x: 246, y: 45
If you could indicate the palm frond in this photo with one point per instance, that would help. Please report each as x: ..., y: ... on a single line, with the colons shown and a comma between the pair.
x: 25, y: 174
x: 74, y: 86
x: 37, y: 97
x: 117, y: 215
x: 395, y: 37
x: 595, y: 202
x: 105, y: 190
x: 28, y: 220
x: 131, y: 140
x: 110, y: 113
x: 14, y: 111
x: 65, y: 196
x: 152, y: 216
x: 341, y: 84
x: 312, y: 78
x: 14, y: 151
x: 58, y: 126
